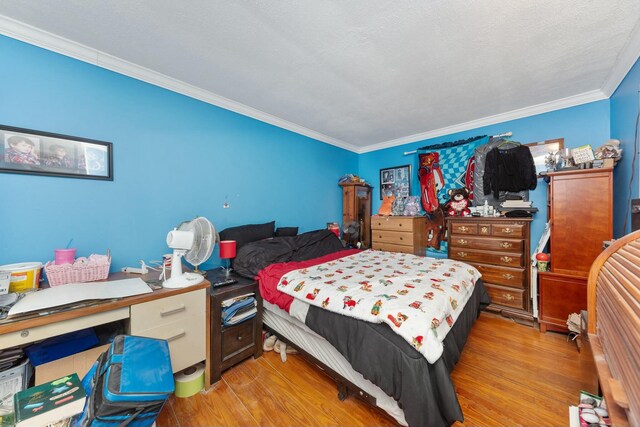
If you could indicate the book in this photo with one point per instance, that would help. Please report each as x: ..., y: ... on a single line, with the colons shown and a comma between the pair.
x: 50, y: 402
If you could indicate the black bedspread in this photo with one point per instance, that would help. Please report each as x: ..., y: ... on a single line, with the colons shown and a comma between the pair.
x: 255, y: 256
x: 423, y: 390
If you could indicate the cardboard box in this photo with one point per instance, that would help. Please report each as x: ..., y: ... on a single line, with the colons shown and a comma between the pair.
x: 78, y: 363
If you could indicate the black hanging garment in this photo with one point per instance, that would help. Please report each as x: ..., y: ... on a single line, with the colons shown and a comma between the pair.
x: 509, y: 170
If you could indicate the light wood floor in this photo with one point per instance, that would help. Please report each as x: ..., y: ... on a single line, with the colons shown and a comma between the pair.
x: 509, y: 375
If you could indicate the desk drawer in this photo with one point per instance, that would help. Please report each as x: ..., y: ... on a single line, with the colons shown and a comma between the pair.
x: 469, y: 255
x: 186, y: 338
x: 168, y: 310
x: 58, y: 328
x: 393, y: 223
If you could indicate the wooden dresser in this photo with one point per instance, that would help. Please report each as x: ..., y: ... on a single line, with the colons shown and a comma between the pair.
x: 499, y: 249
x: 356, y: 206
x: 581, y: 215
x: 399, y: 234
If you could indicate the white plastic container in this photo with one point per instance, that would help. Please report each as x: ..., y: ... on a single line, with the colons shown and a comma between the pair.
x: 5, y: 279
x: 24, y: 276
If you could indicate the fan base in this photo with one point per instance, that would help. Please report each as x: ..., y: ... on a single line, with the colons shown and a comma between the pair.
x: 182, y: 281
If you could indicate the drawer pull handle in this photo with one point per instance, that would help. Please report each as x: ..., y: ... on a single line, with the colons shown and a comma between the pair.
x: 506, y: 259
x: 484, y: 230
x: 176, y: 336
x: 173, y: 311
x: 508, y: 297
x: 240, y: 337
x: 462, y: 254
x: 506, y: 245
x: 463, y: 229
x: 507, y: 230
x: 24, y: 334
x: 462, y: 242
x: 508, y: 276
x: 400, y: 225
x: 401, y: 238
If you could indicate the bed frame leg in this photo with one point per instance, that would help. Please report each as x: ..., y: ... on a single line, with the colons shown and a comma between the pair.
x: 343, y: 391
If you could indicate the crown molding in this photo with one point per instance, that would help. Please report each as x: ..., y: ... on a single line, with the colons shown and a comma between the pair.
x: 558, y: 104
x: 35, y: 36
x: 627, y: 57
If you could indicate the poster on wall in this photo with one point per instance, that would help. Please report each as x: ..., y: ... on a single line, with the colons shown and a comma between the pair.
x: 395, y: 181
x: 27, y: 151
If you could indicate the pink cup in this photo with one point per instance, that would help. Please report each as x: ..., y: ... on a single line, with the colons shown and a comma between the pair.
x: 64, y: 256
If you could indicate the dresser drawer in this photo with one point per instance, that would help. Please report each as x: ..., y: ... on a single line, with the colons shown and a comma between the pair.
x: 186, y: 338
x: 393, y: 237
x: 511, y: 277
x: 238, y: 339
x: 388, y: 247
x: 507, y: 230
x: 506, y: 296
x: 469, y: 255
x: 464, y: 228
x: 397, y: 223
x: 168, y: 310
x: 488, y: 243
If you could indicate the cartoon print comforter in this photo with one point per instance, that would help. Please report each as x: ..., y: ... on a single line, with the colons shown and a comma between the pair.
x: 419, y: 297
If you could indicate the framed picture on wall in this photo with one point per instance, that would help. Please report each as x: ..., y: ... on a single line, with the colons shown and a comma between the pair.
x: 34, y: 152
x: 395, y: 181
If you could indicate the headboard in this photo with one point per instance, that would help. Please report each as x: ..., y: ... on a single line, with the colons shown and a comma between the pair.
x: 614, y: 327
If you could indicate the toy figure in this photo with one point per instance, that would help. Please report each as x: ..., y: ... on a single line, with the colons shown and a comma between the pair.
x: 431, y: 180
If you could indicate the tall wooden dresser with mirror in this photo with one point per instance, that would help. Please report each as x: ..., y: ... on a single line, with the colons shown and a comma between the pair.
x: 580, y: 211
x: 500, y: 249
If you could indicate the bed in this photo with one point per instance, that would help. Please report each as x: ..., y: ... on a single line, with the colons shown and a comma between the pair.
x: 392, y: 372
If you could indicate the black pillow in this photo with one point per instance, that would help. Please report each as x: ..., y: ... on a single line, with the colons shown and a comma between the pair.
x: 244, y: 234
x: 286, y: 231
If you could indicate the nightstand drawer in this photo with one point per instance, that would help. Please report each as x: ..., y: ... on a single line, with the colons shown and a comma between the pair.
x: 168, y: 310
x: 238, y: 339
x: 469, y: 255
x: 488, y: 243
x: 186, y: 340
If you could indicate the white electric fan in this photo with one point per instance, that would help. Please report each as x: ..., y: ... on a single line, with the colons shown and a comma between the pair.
x: 194, y: 240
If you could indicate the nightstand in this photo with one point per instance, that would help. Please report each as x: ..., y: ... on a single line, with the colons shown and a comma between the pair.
x: 233, y: 344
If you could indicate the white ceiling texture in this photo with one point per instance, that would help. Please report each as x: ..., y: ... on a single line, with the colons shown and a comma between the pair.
x: 359, y: 74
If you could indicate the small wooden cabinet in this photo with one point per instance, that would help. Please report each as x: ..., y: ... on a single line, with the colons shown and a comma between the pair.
x: 231, y: 345
x: 399, y: 234
x: 356, y: 206
x: 499, y: 249
x: 581, y: 217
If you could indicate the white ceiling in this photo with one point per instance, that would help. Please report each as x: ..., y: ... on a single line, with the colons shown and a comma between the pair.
x: 360, y: 74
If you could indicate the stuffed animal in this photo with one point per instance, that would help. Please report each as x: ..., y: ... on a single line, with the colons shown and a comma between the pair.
x: 387, y: 202
x: 458, y: 204
x: 397, y: 207
x: 412, y: 207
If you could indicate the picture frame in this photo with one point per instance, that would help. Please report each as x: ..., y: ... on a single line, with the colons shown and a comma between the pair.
x: 395, y: 181
x: 540, y: 149
x: 33, y: 152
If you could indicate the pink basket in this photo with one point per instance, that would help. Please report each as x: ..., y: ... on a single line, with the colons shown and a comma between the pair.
x: 96, y: 267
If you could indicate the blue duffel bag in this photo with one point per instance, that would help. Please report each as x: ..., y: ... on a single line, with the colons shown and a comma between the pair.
x: 129, y: 384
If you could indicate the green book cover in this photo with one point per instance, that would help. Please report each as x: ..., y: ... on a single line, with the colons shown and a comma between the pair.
x: 49, y: 402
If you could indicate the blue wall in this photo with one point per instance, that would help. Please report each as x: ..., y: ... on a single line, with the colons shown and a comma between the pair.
x: 584, y: 124
x: 625, y: 102
x: 174, y: 158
